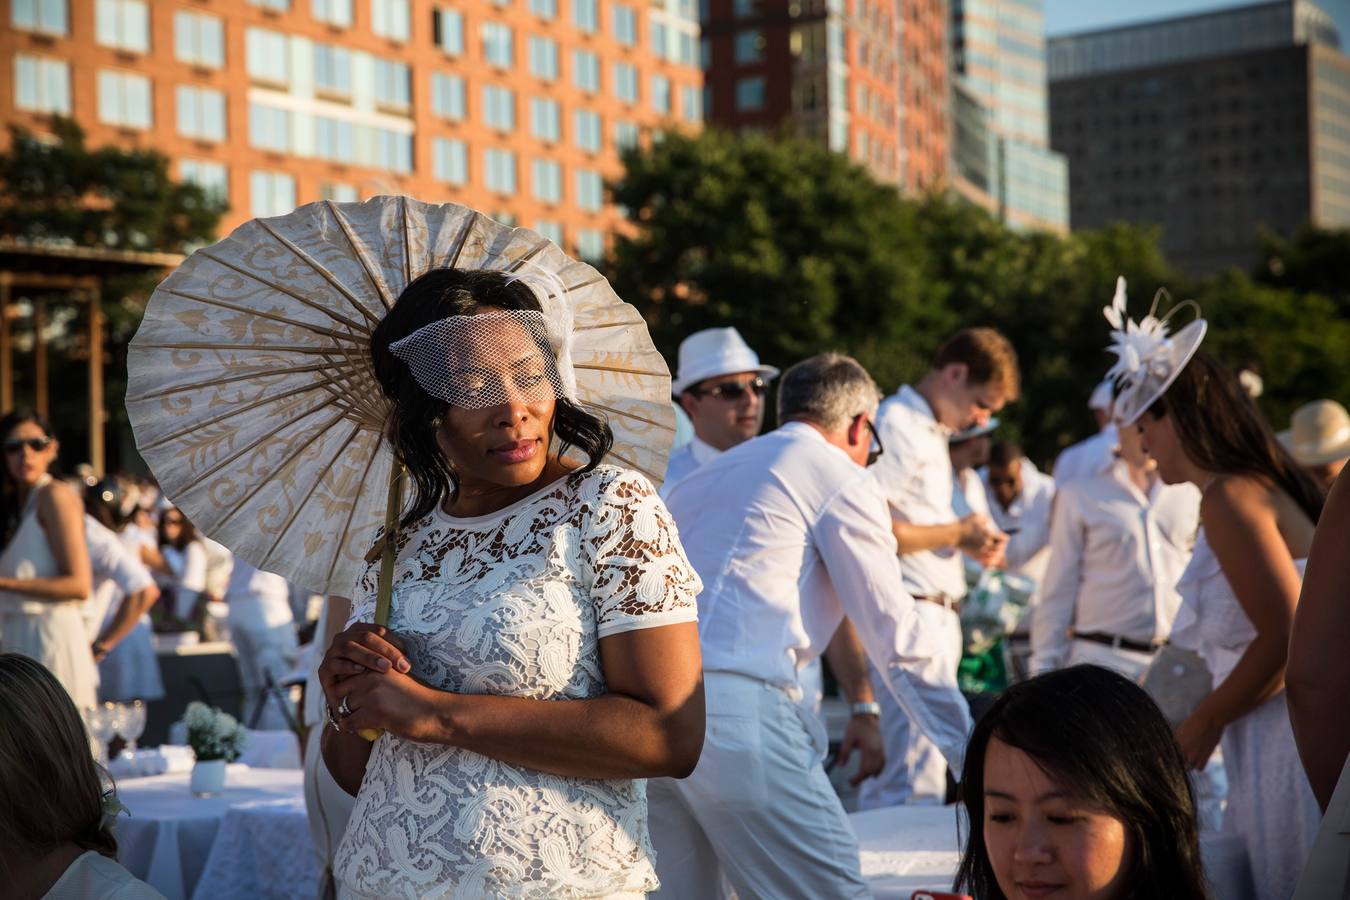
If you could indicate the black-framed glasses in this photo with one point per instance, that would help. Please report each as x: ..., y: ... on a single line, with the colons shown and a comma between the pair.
x: 37, y: 445
x: 734, y: 390
x: 874, y: 453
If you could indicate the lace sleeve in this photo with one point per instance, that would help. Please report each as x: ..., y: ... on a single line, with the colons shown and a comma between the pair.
x: 363, y: 594
x: 640, y: 576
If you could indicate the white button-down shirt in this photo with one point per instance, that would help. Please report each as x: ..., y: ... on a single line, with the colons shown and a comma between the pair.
x: 118, y: 572
x: 1088, y: 457
x: 915, y: 474
x: 797, y: 538
x: 1027, y: 520
x: 685, y: 460
x: 1115, y: 558
x: 968, y: 494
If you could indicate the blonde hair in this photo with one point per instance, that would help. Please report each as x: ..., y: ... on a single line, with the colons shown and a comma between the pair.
x: 51, y: 790
x: 988, y: 356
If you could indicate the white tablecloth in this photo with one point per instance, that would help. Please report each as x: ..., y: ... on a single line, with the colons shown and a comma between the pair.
x: 170, y: 834
x: 908, y: 848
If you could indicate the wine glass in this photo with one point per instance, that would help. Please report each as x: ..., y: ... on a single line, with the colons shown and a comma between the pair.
x: 133, y: 723
x: 102, y: 727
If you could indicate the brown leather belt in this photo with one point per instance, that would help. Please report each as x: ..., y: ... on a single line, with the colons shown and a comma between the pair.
x: 941, y: 600
x: 1117, y: 642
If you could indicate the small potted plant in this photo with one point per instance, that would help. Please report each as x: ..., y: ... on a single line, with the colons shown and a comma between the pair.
x: 216, y: 738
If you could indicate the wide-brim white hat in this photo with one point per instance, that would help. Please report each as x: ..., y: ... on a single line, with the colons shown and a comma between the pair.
x: 1149, y: 357
x: 1136, y: 394
x: 1318, y: 433
x: 714, y: 352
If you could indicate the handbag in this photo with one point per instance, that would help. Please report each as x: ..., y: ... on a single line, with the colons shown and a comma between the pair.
x: 1177, y: 680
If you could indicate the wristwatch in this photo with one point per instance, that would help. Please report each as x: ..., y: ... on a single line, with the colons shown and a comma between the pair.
x: 865, y: 709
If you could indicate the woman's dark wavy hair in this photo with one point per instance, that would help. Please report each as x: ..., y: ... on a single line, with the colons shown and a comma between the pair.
x: 1222, y: 431
x: 1098, y: 735
x: 416, y: 414
x: 11, y: 510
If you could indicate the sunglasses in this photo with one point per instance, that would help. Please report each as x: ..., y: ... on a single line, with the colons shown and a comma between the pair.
x: 37, y: 445
x: 733, y: 390
x: 875, y: 452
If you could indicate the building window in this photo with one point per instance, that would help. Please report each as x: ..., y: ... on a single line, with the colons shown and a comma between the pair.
x: 393, y: 84
x: 42, y: 85
x: 499, y: 108
x: 545, y: 119
x: 625, y: 24
x: 625, y: 82
x: 393, y: 150
x: 544, y: 58
x: 267, y: 56
x: 749, y: 48
x: 124, y: 99
x: 686, y: 54
x: 449, y: 161
x: 211, y: 177
x: 277, y: 5
x: 198, y: 39
x: 590, y: 192
x: 334, y: 12
x: 201, y: 113
x: 390, y: 19
x: 339, y: 192
x: 625, y: 135
x: 660, y: 39
x: 447, y: 96
x: 332, y: 70
x: 500, y: 171
x: 691, y: 107
x: 546, y: 180
x: 271, y: 193
x: 586, y: 15
x: 590, y: 245
x: 750, y: 93
x: 123, y: 24
x: 551, y: 230
x: 545, y: 9
x: 497, y: 44
x: 45, y: 16
x: 269, y: 128
x: 334, y: 139
x: 661, y: 94
x: 586, y: 70
x: 586, y: 130
x: 744, y: 9
x: 449, y: 28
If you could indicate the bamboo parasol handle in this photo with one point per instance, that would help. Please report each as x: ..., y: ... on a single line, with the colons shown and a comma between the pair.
x: 385, y: 588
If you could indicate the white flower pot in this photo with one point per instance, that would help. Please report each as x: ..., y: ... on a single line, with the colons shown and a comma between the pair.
x: 208, y: 777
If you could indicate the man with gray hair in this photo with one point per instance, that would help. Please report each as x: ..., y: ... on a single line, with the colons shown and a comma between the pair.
x: 799, y: 536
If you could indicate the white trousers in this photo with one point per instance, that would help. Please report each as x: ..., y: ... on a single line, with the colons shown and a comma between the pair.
x: 915, y: 771
x: 1130, y: 663
x: 758, y: 815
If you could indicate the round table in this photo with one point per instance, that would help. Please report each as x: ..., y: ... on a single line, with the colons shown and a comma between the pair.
x: 181, y: 844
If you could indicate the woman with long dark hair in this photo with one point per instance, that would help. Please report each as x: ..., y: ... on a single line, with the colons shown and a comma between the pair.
x: 542, y: 655
x: 1075, y: 788
x: 45, y: 575
x: 1258, y: 511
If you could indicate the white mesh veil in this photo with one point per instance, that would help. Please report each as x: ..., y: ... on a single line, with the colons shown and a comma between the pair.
x: 489, y: 358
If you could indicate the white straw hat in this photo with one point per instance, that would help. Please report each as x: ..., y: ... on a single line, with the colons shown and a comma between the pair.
x: 713, y: 352
x: 1318, y: 433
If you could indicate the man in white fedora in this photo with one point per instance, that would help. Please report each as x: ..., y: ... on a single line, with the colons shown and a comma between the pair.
x: 720, y: 386
x: 1319, y: 439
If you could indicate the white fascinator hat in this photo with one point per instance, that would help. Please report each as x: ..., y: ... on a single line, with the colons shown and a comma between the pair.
x: 1149, y: 357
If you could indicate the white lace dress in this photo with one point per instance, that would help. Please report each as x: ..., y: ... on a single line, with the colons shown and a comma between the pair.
x: 514, y: 604
x: 1271, y: 806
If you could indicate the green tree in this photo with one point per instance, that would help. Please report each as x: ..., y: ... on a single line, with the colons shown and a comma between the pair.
x: 1313, y: 261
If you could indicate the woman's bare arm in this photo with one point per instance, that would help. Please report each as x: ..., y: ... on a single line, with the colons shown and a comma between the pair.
x: 129, y: 612
x: 649, y: 723
x: 61, y: 514
x: 1318, y: 677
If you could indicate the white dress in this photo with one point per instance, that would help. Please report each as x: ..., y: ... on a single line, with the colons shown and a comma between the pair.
x: 514, y: 604
x: 1271, y: 806
x: 53, y: 633
x: 130, y: 671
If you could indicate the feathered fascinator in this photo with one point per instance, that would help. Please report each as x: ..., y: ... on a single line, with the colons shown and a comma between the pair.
x: 1148, y: 358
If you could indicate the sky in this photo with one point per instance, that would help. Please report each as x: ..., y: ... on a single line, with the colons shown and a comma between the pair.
x: 1062, y: 16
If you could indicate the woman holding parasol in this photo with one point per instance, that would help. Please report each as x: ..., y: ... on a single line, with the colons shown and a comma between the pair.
x: 541, y: 654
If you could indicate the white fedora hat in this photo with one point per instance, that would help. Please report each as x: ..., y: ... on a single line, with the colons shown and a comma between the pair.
x: 974, y: 431
x: 712, y: 352
x: 1318, y: 433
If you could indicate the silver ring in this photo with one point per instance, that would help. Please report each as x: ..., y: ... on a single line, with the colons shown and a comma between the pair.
x: 343, y: 710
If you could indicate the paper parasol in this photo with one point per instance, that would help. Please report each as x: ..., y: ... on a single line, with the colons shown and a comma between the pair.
x: 251, y: 392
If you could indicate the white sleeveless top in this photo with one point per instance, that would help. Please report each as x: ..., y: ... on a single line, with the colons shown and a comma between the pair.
x: 28, y: 555
x: 514, y: 604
